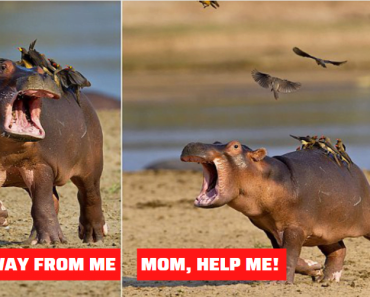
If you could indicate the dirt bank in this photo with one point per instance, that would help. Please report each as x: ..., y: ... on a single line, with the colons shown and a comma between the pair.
x: 159, y: 213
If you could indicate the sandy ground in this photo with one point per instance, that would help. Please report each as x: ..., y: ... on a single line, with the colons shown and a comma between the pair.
x: 158, y: 212
x: 19, y: 205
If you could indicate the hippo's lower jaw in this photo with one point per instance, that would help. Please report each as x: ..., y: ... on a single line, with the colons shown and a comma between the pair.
x: 22, y: 119
x: 210, y: 191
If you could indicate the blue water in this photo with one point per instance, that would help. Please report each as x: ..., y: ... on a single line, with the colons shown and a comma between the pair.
x: 142, y: 148
x: 155, y: 131
x: 85, y: 35
x: 137, y: 159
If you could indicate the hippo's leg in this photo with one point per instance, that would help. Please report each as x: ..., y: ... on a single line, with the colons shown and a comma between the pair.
x: 32, y: 239
x: 40, y: 185
x: 92, y: 227
x: 335, y: 254
x: 293, y: 239
x: 305, y: 267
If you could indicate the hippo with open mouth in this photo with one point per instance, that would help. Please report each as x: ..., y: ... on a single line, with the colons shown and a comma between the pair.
x: 21, y: 93
x: 46, y: 139
x: 302, y: 198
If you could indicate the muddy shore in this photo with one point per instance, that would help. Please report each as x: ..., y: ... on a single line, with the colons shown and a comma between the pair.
x: 158, y: 212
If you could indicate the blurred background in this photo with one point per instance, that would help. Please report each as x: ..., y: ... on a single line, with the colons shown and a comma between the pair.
x: 186, y: 76
x: 85, y: 35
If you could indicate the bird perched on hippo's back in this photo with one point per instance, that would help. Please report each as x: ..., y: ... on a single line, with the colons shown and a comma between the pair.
x: 325, y: 143
x: 308, y: 142
x: 72, y: 79
x: 342, y: 151
x: 54, y: 64
x: 276, y: 85
x: 32, y: 58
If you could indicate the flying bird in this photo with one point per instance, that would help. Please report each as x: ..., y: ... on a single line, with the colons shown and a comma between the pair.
x: 319, y: 61
x: 276, y: 85
x: 214, y: 4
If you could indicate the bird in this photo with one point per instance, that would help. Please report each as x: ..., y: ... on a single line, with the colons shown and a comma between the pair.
x: 326, y: 144
x: 319, y: 61
x: 58, y: 68
x: 72, y: 79
x: 307, y: 141
x: 342, y: 151
x: 34, y: 59
x: 54, y: 64
x: 25, y: 58
x: 276, y: 84
x: 214, y: 4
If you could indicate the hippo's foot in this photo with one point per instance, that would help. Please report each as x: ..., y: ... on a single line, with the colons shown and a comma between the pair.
x: 309, y: 267
x: 3, y: 215
x: 335, y: 254
x: 329, y: 274
x: 92, y: 227
x: 46, y: 235
x: 92, y: 232
x: 34, y: 239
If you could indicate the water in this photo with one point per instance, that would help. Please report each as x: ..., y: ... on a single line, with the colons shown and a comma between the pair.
x: 159, y: 131
x: 85, y: 35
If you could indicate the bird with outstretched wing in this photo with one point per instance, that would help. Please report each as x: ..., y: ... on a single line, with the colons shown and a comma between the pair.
x: 276, y: 84
x: 319, y: 61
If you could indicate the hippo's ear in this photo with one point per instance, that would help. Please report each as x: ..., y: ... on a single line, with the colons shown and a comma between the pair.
x: 259, y: 154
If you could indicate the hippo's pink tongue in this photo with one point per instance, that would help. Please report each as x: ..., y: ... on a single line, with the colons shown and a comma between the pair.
x: 21, y: 117
x: 210, y: 187
x: 24, y: 117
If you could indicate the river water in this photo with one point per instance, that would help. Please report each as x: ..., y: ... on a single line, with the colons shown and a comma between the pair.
x: 159, y: 131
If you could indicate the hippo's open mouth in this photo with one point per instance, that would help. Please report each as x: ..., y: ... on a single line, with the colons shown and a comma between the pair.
x: 22, y: 119
x: 211, y: 183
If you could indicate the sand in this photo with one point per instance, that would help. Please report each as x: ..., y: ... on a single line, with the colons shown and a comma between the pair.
x: 158, y: 212
x: 19, y: 205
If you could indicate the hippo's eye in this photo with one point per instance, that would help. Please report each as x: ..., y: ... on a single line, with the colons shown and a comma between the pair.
x: 236, y: 146
x: 3, y: 66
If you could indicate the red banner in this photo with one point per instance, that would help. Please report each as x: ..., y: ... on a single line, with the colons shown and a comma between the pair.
x: 211, y: 264
x: 60, y: 264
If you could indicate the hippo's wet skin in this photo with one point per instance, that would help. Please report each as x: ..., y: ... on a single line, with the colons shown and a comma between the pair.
x: 46, y: 142
x: 299, y: 199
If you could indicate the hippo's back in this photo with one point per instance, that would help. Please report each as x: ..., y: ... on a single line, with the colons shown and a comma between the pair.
x: 336, y: 199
